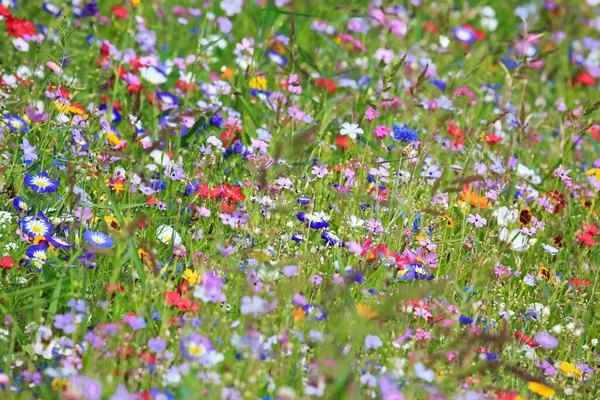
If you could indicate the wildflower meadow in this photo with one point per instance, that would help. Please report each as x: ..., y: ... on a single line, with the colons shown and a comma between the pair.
x: 299, y: 199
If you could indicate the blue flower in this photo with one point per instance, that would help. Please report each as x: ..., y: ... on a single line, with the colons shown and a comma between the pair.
x: 464, y: 35
x: 20, y: 205
x: 37, y: 225
x: 313, y: 220
x: 37, y: 255
x: 216, y: 120
x: 440, y: 84
x: 298, y: 237
x: 16, y: 123
x: 303, y: 200
x: 167, y: 98
x: 52, y: 9
x: 98, y: 240
x: 331, y: 238
x: 314, y: 311
x: 41, y: 183
x: 404, y: 133
x: 464, y: 320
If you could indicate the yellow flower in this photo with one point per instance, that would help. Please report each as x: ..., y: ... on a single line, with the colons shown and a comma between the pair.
x: 259, y: 83
x: 113, y: 139
x: 135, y: 3
x: 570, y: 369
x: 113, y: 223
x: 541, y: 389
x: 595, y: 172
x: 191, y: 276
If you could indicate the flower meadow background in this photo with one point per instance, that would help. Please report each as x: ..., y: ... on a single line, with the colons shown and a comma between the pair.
x: 299, y: 199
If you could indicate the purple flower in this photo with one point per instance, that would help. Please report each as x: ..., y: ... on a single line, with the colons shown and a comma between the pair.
x: 122, y: 394
x: 135, y: 322
x: 316, y: 280
x: 373, y: 342
x: 157, y: 344
x: 476, y: 220
x: 78, y: 305
x: 227, y: 251
x: 28, y: 152
x: 253, y: 305
x: 546, y: 340
x: 91, y: 389
x: 290, y: 270
x: 424, y: 373
x: 65, y: 322
x: 388, y: 389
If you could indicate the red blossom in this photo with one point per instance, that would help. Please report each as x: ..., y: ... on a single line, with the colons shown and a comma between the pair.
x: 491, y: 139
x: 5, y: 12
x: 6, y: 262
x: 19, y: 27
x: 586, y: 79
x: 119, y: 12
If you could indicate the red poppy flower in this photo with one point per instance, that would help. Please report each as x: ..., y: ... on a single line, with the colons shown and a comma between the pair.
x: 430, y: 27
x: 342, y: 141
x: 523, y: 338
x: 6, y: 262
x: 586, y: 79
x: 586, y: 239
x: 119, y: 12
x: 227, y: 208
x: 491, y: 139
x: 5, y: 12
x: 19, y: 27
x: 114, y: 287
x: 595, y: 132
x: 507, y: 395
x: 581, y: 283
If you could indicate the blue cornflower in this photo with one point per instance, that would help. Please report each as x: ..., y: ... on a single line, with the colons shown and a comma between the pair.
x: 464, y: 320
x: 404, y: 133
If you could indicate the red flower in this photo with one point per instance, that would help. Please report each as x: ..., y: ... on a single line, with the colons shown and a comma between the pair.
x: 227, y: 208
x: 6, y: 262
x: 523, y: 338
x: 586, y: 79
x: 341, y: 141
x: 430, y: 27
x: 581, y: 283
x: 119, y: 12
x: 595, y: 132
x: 586, y: 239
x: 5, y: 12
x: 114, y: 287
x: 19, y: 27
x: 491, y: 139
x: 507, y: 395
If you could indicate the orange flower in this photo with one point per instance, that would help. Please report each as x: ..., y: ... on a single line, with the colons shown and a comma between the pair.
x: 299, y: 314
x: 474, y: 199
x: 366, y: 312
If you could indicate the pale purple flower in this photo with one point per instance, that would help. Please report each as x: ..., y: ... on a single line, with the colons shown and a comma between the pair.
x: 65, y: 322
x: 546, y: 340
x: 373, y: 342
x: 477, y: 220
x: 157, y: 345
x: 316, y: 280
x: 320, y: 171
x: 424, y: 373
x: 253, y: 305
x: 290, y: 270
x: 562, y: 173
x: 299, y: 299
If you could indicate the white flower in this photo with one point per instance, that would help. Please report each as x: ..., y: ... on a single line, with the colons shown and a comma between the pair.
x: 489, y: 23
x: 504, y: 216
x: 21, y: 45
x: 231, y: 7
x: 549, y: 249
x: 356, y: 222
x: 351, y: 130
x: 487, y: 12
x: 153, y: 75
x: 213, y: 140
x: 444, y: 41
x: 518, y: 241
x: 166, y: 234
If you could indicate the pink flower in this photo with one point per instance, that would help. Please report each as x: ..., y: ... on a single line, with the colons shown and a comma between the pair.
x: 371, y: 114
x: 294, y: 85
x: 382, y: 131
